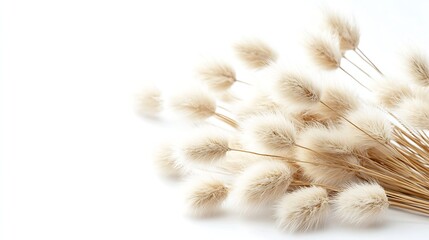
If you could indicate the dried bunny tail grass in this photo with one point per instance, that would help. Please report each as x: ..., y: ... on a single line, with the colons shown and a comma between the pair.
x: 149, y: 102
x: 205, y: 146
x: 330, y: 140
x: 361, y: 203
x: 334, y: 175
x: 297, y: 88
x: 218, y: 76
x: 269, y: 133
x: 194, y: 104
x: 345, y: 28
x: 204, y: 196
x: 340, y: 100
x: 418, y: 67
x: 325, y: 51
x: 414, y: 112
x: 255, y: 53
x: 259, y: 103
x: 330, y: 156
x: 165, y: 160
x: 227, y: 97
x: 304, y: 117
x: 262, y: 183
x: 303, y: 209
x: 370, y: 125
x: 390, y: 92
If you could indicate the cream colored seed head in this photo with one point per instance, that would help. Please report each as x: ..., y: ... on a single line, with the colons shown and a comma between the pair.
x: 297, y: 88
x: 194, y: 104
x: 301, y: 210
x: 269, y: 133
x: 345, y: 28
x: 218, y: 76
x: 418, y: 68
x: 205, y: 146
x: 325, y: 51
x: 149, y: 102
x: 262, y: 183
x: 372, y: 126
x: 205, y: 196
x: 255, y: 53
x: 361, y: 204
x: 166, y: 161
x: 414, y: 112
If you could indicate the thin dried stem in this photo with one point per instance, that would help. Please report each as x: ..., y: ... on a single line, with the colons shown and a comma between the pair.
x: 226, y: 120
x: 354, y: 78
x: 363, y: 56
x: 360, y: 69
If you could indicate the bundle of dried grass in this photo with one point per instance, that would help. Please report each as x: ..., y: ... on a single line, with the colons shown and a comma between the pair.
x: 308, y: 144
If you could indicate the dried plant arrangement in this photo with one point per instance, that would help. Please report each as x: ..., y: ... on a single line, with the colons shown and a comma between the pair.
x: 303, y: 148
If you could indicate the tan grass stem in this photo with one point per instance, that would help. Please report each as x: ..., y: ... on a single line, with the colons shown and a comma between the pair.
x: 363, y: 56
x: 360, y: 69
x: 355, y: 79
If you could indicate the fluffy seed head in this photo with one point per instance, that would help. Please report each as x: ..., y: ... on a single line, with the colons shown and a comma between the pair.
x: 361, y: 203
x: 259, y: 103
x: 205, y: 146
x: 166, y: 161
x: 205, y: 196
x: 374, y: 123
x: 269, y: 133
x: 262, y: 183
x: 149, y: 102
x: 316, y: 170
x: 331, y: 140
x: 304, y: 117
x: 345, y: 28
x: 414, y: 112
x: 340, y: 98
x: 325, y: 51
x: 297, y: 88
x: 255, y: 53
x: 330, y: 146
x: 390, y: 92
x: 194, y: 104
x: 418, y: 68
x: 218, y: 76
x: 303, y: 209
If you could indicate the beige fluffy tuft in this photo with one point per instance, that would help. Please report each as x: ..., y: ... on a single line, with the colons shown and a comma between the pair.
x: 325, y: 51
x: 166, y: 161
x: 255, y: 53
x: 204, y: 197
x: 345, y: 28
x: 414, y: 112
x: 361, y: 204
x: 262, y: 183
x: 194, y: 104
x: 205, y: 146
x: 330, y: 146
x: 418, y: 68
x: 390, y: 92
x: 304, y: 117
x: 304, y: 209
x: 259, y: 103
x: 149, y: 102
x: 218, y: 76
x: 269, y: 133
x: 340, y: 100
x: 374, y: 126
x: 297, y: 88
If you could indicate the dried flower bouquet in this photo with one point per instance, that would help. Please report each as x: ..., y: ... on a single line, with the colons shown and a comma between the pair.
x: 308, y: 147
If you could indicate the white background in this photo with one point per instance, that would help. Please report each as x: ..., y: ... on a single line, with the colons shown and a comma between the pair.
x: 76, y: 158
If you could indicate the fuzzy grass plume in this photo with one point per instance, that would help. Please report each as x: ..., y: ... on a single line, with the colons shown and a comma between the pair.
x: 302, y: 146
